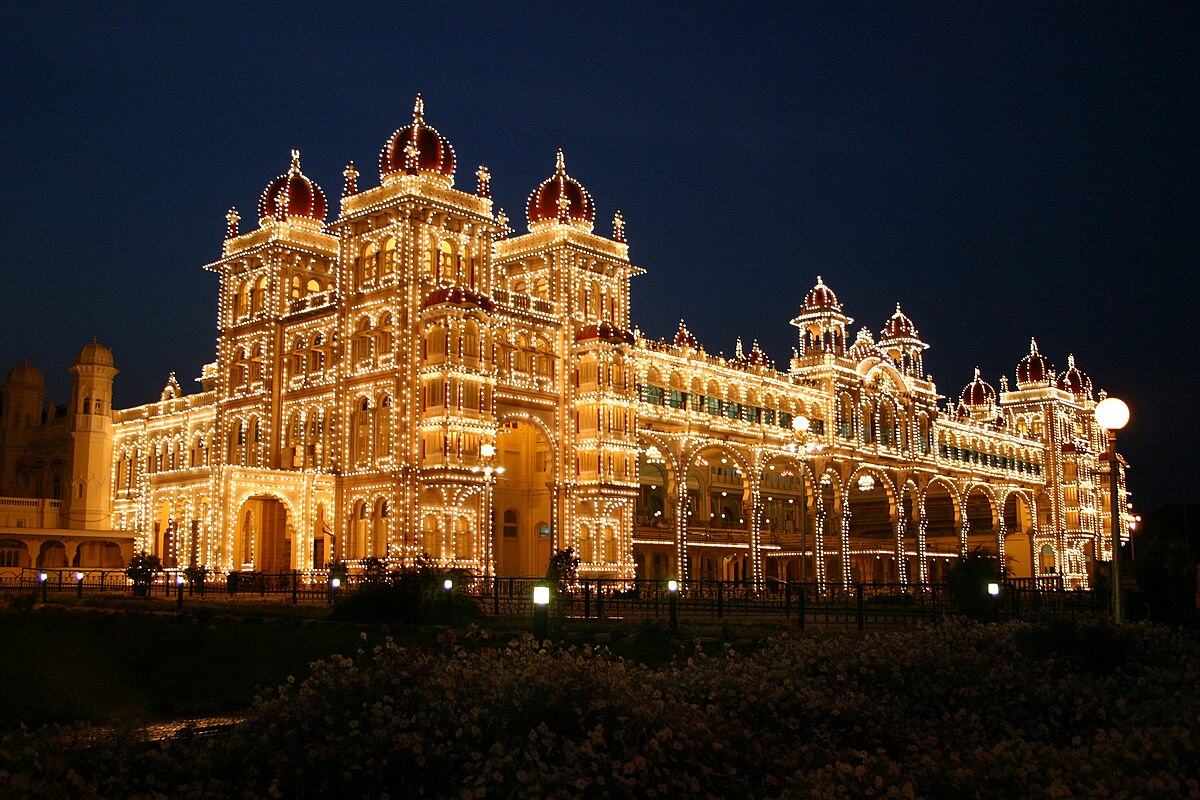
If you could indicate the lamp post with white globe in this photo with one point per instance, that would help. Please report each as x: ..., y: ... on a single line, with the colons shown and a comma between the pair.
x: 1112, y: 414
x: 800, y: 425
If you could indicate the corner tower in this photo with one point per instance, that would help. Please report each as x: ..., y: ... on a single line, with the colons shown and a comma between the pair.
x: 89, y: 502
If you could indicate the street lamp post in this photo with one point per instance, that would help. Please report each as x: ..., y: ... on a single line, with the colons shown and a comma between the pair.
x: 487, y: 453
x: 800, y: 425
x: 1112, y: 414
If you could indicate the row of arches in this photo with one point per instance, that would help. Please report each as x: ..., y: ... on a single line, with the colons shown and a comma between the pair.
x: 159, y: 455
x: 834, y: 528
x: 733, y: 392
x: 311, y: 353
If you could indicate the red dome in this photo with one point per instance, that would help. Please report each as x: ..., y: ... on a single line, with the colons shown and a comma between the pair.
x: 292, y: 194
x: 684, y: 338
x: 561, y: 198
x: 758, y: 358
x: 417, y: 147
x: 978, y: 392
x: 1034, y: 369
x: 455, y: 296
x: 899, y: 326
x: 864, y: 347
x: 821, y: 297
x: 605, y: 331
x: 1074, y: 380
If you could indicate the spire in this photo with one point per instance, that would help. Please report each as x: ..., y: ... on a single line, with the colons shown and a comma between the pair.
x: 619, y: 228
x: 295, y: 161
x: 977, y: 375
x: 564, y: 204
x: 738, y: 352
x: 350, y: 188
x: 483, y: 186
x: 231, y: 224
x: 419, y: 110
x: 1071, y: 361
x: 1033, y: 351
x: 411, y: 152
x: 503, y: 230
x: 560, y: 164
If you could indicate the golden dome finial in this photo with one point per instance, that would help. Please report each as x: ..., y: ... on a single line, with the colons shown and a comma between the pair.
x: 419, y: 109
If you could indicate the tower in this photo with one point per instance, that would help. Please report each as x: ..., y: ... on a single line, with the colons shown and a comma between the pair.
x: 89, y: 501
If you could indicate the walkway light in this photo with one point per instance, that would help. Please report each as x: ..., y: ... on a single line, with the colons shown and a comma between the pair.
x: 447, y: 584
x: 79, y: 584
x: 673, y: 602
x: 42, y: 579
x: 994, y: 589
x: 541, y: 611
x: 335, y: 584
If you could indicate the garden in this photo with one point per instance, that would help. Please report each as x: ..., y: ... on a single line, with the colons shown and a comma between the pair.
x: 1050, y: 709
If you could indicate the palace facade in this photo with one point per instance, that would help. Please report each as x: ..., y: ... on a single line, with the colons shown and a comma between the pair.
x: 414, y: 378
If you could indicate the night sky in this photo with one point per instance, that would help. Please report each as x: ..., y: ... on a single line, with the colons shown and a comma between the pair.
x: 1003, y: 170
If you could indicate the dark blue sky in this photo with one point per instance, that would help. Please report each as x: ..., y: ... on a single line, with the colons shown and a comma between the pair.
x: 1003, y: 170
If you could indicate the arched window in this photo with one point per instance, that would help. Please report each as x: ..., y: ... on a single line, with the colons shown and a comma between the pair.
x: 258, y: 296
x: 361, y: 433
x: 446, y: 267
x: 366, y: 265
x: 383, y: 445
x: 509, y: 528
x: 241, y: 302
x: 387, y: 257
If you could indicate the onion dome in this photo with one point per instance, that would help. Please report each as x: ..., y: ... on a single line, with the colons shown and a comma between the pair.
x: 1074, y: 380
x: 455, y: 296
x: 899, y: 327
x: 684, y: 338
x: 417, y: 148
x: 1034, y: 369
x: 25, y: 374
x: 292, y: 195
x: 864, y: 347
x: 604, y: 331
x: 978, y: 392
x: 560, y: 198
x: 758, y: 358
x: 821, y: 297
x: 94, y: 353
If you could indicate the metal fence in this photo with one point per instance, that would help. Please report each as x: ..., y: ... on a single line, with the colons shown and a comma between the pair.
x: 874, y: 606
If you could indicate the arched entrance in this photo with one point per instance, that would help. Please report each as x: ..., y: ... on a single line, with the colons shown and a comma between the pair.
x: 52, y: 554
x: 718, y: 527
x: 942, y: 528
x: 1018, y: 536
x: 521, y: 501
x: 263, y: 541
x: 872, y: 548
x: 786, y: 521
x: 982, y: 530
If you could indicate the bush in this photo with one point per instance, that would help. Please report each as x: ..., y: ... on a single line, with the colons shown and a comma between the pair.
x: 407, y: 596
x: 141, y: 571
x: 968, y: 578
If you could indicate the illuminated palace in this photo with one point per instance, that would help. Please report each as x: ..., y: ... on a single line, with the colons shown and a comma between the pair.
x: 413, y: 377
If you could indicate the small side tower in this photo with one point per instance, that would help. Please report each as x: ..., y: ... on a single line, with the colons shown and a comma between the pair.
x: 89, y: 503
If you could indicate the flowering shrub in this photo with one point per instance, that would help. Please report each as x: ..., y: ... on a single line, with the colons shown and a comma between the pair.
x: 953, y: 711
